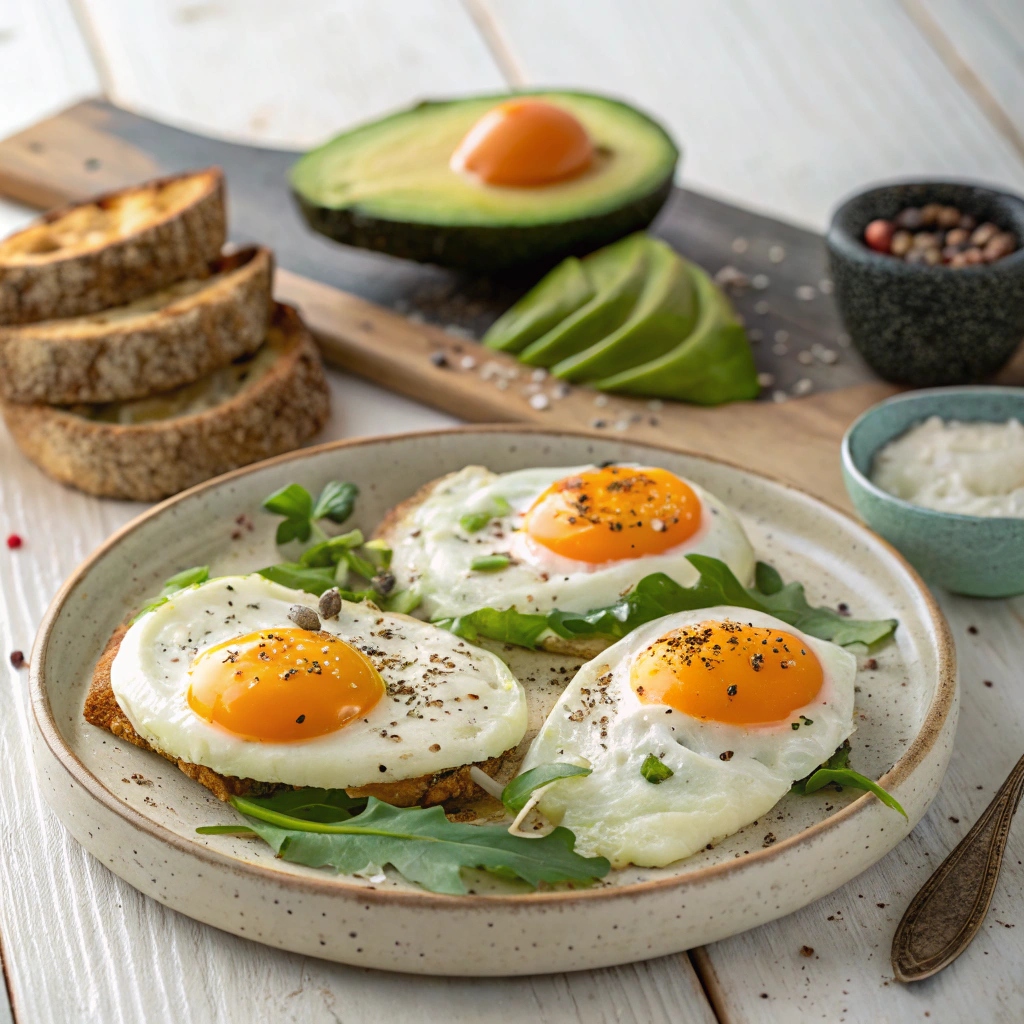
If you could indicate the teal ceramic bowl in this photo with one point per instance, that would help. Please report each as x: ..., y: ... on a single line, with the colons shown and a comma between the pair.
x: 973, y: 555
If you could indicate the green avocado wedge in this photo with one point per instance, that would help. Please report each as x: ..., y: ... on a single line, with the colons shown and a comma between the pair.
x: 387, y: 185
x: 544, y: 306
x: 713, y: 365
x: 664, y: 315
x: 618, y: 273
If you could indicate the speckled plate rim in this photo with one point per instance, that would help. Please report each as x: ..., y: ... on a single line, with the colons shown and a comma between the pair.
x: 938, y: 711
x: 934, y: 514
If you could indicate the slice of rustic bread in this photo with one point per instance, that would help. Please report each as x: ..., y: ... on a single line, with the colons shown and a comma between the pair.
x: 398, y: 523
x: 152, y: 447
x: 159, y: 342
x: 113, y: 249
x: 453, y: 788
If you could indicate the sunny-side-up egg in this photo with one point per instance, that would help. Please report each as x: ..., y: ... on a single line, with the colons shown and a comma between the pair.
x: 575, y: 538
x: 220, y: 676
x: 735, y: 703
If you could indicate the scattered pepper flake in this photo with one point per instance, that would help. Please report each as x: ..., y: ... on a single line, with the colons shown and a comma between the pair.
x: 17, y: 659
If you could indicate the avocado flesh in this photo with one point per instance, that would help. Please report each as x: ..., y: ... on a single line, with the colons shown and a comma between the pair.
x: 663, y: 316
x: 713, y: 365
x: 544, y: 306
x: 388, y: 186
x: 618, y: 276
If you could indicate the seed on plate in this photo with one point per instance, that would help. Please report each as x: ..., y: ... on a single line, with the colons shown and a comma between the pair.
x: 304, y: 618
x: 725, y: 755
x: 330, y: 603
x: 804, y: 386
x: 467, y: 362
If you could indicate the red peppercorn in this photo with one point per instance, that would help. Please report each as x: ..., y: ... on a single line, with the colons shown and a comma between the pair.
x: 17, y: 659
x: 14, y: 541
x: 878, y: 235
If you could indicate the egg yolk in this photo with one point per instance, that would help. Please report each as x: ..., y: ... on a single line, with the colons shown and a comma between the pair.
x: 282, y: 685
x: 523, y: 143
x: 605, y: 515
x: 728, y: 672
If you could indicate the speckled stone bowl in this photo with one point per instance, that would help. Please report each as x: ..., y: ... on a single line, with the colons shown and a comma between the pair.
x: 922, y: 325
x: 973, y: 555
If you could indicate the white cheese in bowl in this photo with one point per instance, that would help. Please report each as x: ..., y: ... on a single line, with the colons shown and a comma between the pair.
x: 974, y: 469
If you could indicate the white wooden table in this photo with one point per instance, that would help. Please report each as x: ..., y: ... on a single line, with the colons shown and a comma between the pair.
x: 783, y: 106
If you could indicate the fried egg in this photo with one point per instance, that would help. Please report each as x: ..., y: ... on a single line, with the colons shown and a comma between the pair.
x: 735, y: 703
x: 220, y: 676
x: 575, y: 538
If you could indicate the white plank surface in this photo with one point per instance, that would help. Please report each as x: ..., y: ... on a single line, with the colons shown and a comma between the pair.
x: 784, y: 106
x: 987, y: 37
x: 289, y: 73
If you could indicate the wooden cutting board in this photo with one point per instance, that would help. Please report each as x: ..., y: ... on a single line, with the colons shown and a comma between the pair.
x: 390, y: 320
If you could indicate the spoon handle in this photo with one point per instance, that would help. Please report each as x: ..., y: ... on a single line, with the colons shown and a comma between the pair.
x: 946, y: 914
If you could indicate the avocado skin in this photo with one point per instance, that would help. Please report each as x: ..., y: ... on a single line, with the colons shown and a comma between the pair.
x: 484, y: 250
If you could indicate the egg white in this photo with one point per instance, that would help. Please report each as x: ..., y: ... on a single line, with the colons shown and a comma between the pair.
x: 433, y: 553
x: 150, y: 679
x: 599, y: 722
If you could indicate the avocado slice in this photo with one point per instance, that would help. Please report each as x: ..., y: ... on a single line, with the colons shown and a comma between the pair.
x: 544, y: 306
x: 618, y: 274
x: 664, y: 315
x: 713, y: 365
x: 387, y: 186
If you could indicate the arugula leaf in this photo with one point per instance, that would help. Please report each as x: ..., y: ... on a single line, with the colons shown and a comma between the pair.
x: 179, y: 581
x: 836, y: 771
x: 422, y: 844
x: 300, y: 577
x: 508, y: 626
x: 516, y: 794
x: 295, y: 504
x: 336, y: 501
x: 331, y: 551
x: 655, y: 771
x: 309, y: 804
x: 657, y: 595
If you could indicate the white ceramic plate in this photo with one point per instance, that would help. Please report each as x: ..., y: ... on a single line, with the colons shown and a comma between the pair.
x: 138, y: 814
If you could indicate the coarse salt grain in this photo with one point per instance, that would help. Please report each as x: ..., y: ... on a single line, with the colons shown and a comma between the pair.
x: 804, y: 386
x: 658, y: 525
x: 779, y: 396
x: 467, y: 362
x: 539, y: 374
x: 539, y: 402
x: 601, y: 400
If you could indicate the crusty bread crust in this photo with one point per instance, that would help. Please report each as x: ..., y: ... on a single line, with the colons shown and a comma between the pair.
x: 177, y: 336
x: 453, y: 789
x: 391, y: 526
x: 54, y: 269
x: 148, y: 461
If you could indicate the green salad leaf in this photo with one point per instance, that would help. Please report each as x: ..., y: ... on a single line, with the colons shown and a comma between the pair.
x: 657, y: 595
x: 179, y: 581
x: 300, y: 577
x: 420, y: 843
x: 516, y: 794
x: 336, y: 501
x: 837, y: 771
x: 655, y: 771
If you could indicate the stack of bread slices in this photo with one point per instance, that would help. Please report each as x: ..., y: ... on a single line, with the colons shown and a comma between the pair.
x: 136, y: 357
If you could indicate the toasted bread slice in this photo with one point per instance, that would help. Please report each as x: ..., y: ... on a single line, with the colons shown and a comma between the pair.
x: 453, y: 788
x: 159, y: 342
x: 152, y: 447
x: 398, y: 522
x: 113, y: 249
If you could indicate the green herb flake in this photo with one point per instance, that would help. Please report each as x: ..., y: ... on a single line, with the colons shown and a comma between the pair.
x: 655, y: 771
x: 490, y: 563
x: 379, y: 552
x: 421, y: 844
x: 517, y: 793
x: 474, y: 522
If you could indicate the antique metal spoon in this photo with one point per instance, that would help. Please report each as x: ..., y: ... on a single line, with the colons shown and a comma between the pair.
x: 946, y: 914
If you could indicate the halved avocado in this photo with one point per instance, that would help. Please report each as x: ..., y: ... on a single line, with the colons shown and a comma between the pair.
x: 387, y: 186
